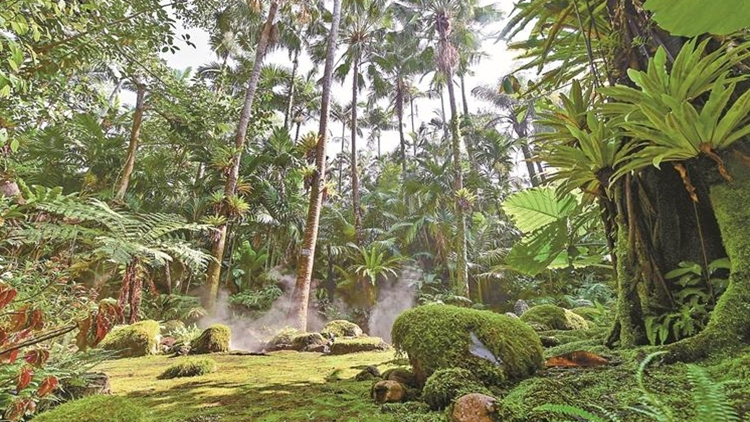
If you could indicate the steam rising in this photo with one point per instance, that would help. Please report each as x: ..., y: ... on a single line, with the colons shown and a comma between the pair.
x: 393, y: 299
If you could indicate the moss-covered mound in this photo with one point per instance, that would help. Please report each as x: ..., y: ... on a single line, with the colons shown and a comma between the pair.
x: 355, y: 345
x: 96, y: 409
x: 551, y: 317
x: 403, y: 375
x: 190, y: 367
x: 440, y: 336
x: 446, y: 385
x: 308, y: 342
x: 588, y: 313
x: 171, y: 326
x: 341, y: 328
x: 213, y: 339
x: 139, y: 339
x: 283, y: 339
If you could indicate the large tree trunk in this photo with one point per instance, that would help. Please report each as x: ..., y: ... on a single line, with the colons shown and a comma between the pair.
x: 290, y: 100
x: 135, y: 135
x: 355, y: 169
x: 213, y: 273
x: 400, y: 114
x: 301, y: 295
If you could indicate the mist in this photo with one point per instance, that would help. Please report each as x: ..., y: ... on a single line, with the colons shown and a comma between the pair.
x: 393, y: 299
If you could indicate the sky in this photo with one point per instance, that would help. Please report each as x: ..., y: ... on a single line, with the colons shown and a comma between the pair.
x: 497, y: 63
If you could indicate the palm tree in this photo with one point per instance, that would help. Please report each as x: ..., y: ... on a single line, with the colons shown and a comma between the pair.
x: 301, y: 295
x: 377, y: 120
x: 363, y: 26
x: 135, y: 134
x: 230, y: 186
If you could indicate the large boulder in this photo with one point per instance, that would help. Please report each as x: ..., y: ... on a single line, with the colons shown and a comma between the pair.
x: 403, y: 375
x: 282, y: 340
x: 474, y: 407
x: 139, y: 339
x: 341, y: 328
x: 496, y: 348
x: 445, y: 385
x: 214, y: 339
x: 309, y: 342
x: 551, y: 317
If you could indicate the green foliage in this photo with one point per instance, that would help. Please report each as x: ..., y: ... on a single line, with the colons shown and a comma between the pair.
x: 551, y: 317
x: 139, y: 339
x: 446, y: 385
x: 97, y: 409
x: 357, y: 345
x: 341, y: 328
x: 257, y: 300
x: 439, y: 336
x: 189, y: 367
x: 214, y: 339
x: 173, y: 307
x: 690, y: 18
x: 247, y: 264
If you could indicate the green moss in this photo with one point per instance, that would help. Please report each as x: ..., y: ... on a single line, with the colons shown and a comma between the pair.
x: 551, y: 317
x: 588, y: 313
x: 446, y: 385
x: 190, y: 367
x: 171, y: 326
x: 439, y: 336
x: 283, y: 339
x: 302, y: 342
x: 214, y: 339
x: 97, y: 409
x: 139, y: 339
x: 355, y: 345
x: 341, y: 328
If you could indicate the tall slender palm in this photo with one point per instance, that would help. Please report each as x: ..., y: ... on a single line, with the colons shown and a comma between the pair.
x: 230, y: 186
x: 363, y: 28
x: 301, y: 295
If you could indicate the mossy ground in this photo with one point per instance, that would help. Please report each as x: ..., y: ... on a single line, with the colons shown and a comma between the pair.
x: 285, y: 386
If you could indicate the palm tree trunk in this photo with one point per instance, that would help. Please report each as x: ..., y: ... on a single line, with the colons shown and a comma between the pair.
x: 355, y: 170
x: 341, y: 158
x: 301, y: 295
x: 400, y: 115
x: 290, y: 100
x: 213, y: 273
x: 462, y: 270
x: 467, y: 119
x: 135, y: 134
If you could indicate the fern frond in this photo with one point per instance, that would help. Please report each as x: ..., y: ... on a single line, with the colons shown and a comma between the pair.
x: 711, y: 402
x: 572, y: 411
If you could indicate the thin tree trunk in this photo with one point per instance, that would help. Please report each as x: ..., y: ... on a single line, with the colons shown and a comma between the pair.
x: 135, y: 135
x: 341, y: 158
x: 355, y: 172
x: 411, y: 105
x: 290, y: 101
x: 442, y: 113
x: 296, y: 133
x: 301, y: 295
x: 400, y: 115
x: 213, y: 273
x: 467, y: 119
x: 462, y: 270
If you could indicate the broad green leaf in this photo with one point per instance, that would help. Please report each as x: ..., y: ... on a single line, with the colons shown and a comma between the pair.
x: 689, y: 18
x: 537, y: 251
x: 537, y: 207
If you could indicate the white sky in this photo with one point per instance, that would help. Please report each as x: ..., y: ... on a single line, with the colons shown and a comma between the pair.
x: 498, y: 63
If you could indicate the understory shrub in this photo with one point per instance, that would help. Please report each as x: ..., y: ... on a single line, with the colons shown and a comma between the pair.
x: 446, y: 385
x: 190, y: 367
x: 496, y: 348
x: 97, y: 409
x: 139, y: 339
x: 551, y: 317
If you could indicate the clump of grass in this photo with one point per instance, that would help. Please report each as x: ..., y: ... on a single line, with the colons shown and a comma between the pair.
x: 191, y: 367
x: 97, y: 409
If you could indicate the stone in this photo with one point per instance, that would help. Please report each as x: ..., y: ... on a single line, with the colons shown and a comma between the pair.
x: 387, y: 392
x: 214, y: 339
x: 369, y: 373
x: 474, y: 407
x: 520, y: 307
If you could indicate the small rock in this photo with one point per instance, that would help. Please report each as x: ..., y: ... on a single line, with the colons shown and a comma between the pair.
x: 474, y: 407
x: 520, y: 307
x: 387, y: 392
x: 512, y: 315
x: 549, y: 341
x: 367, y: 374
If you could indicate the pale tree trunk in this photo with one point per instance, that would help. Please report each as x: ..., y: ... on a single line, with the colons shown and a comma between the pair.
x: 462, y: 270
x: 290, y: 101
x: 301, y: 295
x: 400, y: 115
x: 213, y: 273
x: 467, y: 118
x: 135, y: 135
x: 341, y: 158
x: 355, y: 170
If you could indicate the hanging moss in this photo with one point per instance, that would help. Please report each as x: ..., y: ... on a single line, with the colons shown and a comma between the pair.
x: 551, y: 317
x: 439, y: 336
x: 139, y: 339
x: 213, y: 339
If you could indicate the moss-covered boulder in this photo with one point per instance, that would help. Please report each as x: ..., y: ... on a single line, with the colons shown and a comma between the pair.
x: 282, y: 340
x: 214, y: 339
x: 496, y: 348
x: 361, y: 344
x: 445, y: 385
x: 341, y: 328
x: 403, y: 375
x: 97, y: 409
x: 139, y: 339
x: 309, y: 342
x: 190, y: 367
x: 589, y: 313
x: 551, y: 317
